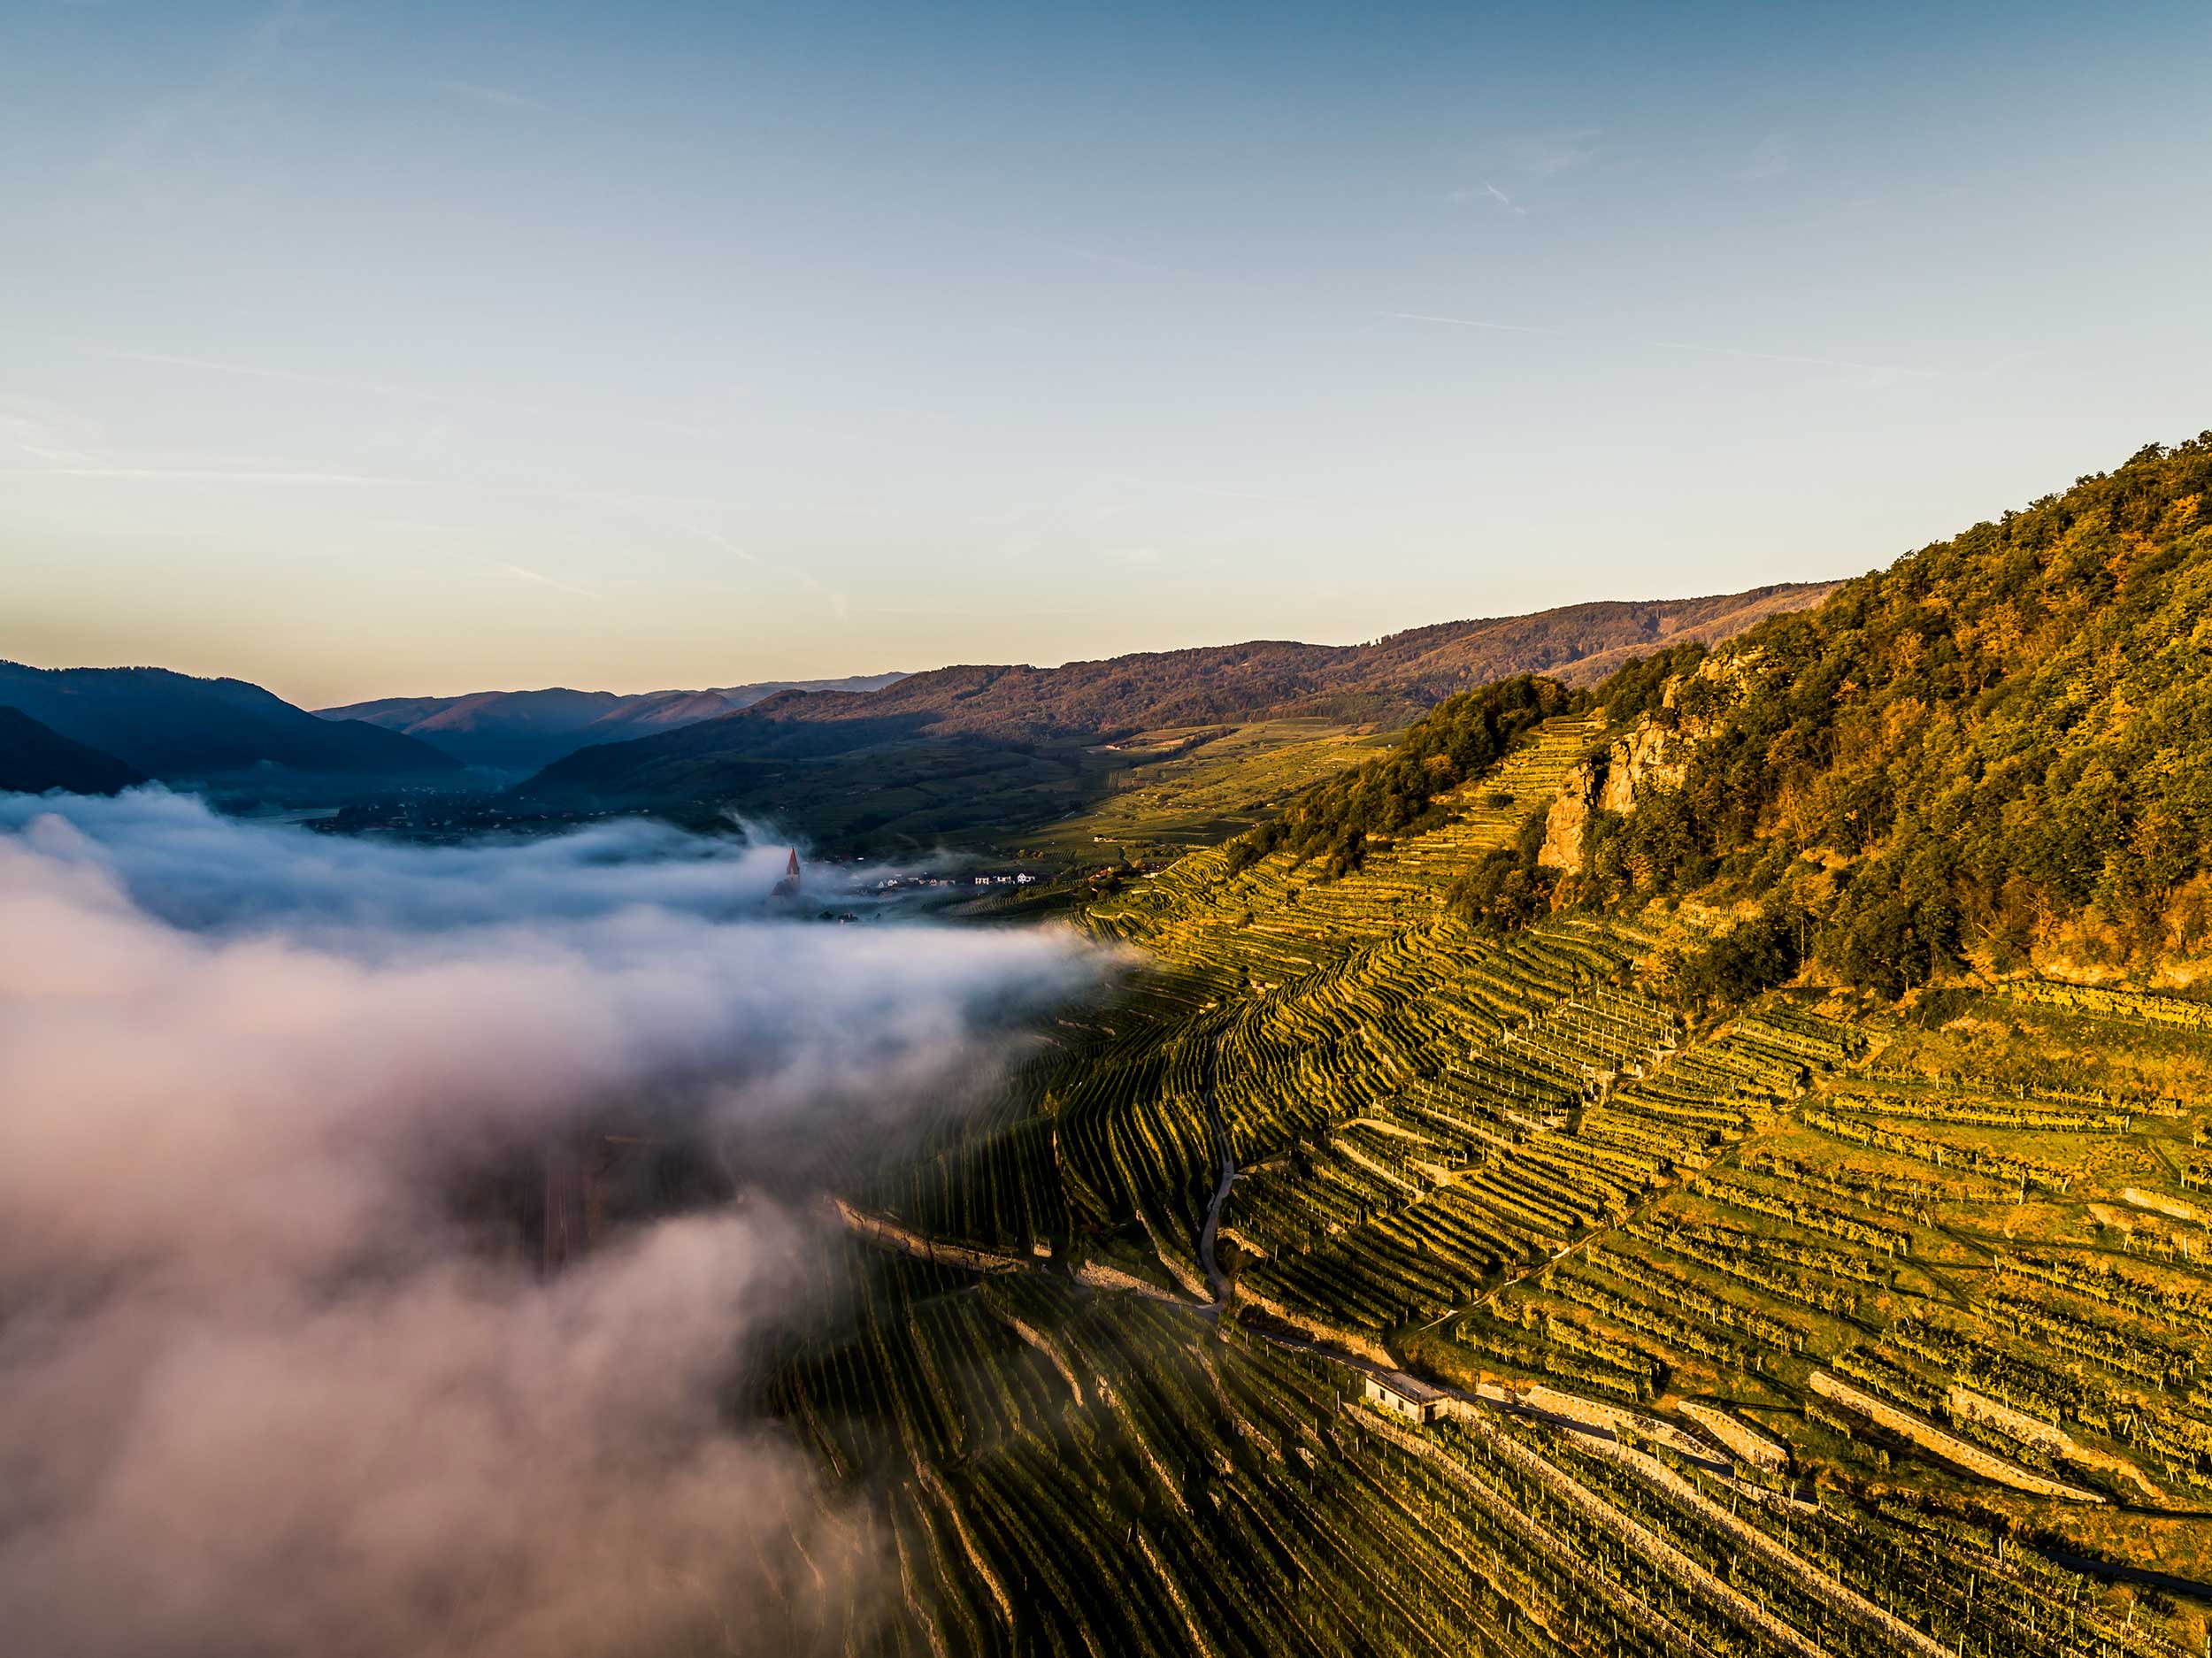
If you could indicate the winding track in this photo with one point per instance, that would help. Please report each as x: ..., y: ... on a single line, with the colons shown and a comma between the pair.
x: 1212, y: 1269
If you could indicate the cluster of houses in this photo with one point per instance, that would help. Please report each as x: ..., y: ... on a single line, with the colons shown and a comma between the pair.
x: 909, y: 883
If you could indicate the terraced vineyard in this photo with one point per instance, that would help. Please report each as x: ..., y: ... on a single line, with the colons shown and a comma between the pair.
x: 1822, y: 1329
x: 1261, y: 929
x: 1057, y: 1469
x: 1178, y: 790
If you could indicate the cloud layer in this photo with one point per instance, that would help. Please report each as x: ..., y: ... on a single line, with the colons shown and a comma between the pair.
x: 263, y: 1390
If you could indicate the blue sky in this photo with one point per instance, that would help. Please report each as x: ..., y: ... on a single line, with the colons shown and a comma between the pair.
x: 406, y: 349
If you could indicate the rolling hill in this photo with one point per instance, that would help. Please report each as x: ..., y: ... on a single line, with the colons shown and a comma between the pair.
x: 34, y: 759
x: 521, y: 731
x: 787, y: 750
x: 179, y: 728
x: 1996, y: 752
x: 1392, y: 680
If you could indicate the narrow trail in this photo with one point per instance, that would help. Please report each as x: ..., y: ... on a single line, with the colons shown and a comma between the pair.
x: 1221, y: 1193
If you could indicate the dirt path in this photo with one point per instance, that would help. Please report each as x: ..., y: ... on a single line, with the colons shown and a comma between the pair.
x: 1207, y: 1232
x: 887, y: 1234
x: 1099, y: 1276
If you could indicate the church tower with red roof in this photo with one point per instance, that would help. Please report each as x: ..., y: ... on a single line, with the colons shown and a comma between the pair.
x: 788, y: 887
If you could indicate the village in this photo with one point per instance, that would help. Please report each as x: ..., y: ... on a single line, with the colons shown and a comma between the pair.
x: 915, y: 882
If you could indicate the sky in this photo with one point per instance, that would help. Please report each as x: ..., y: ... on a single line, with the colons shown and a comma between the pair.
x: 413, y: 348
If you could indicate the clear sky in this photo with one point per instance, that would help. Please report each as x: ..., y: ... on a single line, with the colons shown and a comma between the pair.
x: 370, y: 348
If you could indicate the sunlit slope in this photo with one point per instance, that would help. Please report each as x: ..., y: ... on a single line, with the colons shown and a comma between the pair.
x: 1179, y: 790
x: 1061, y: 1471
x: 1872, y: 1330
x: 1274, y: 921
x: 1826, y: 1325
x: 1994, y: 757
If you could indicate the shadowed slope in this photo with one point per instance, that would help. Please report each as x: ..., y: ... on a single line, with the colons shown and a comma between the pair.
x: 34, y: 759
x: 172, y: 726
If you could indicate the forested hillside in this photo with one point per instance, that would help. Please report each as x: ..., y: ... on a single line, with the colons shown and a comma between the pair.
x: 1998, y: 751
x: 1995, y: 753
x: 175, y: 726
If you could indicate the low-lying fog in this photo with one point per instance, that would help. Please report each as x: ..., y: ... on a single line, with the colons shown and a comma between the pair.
x: 258, y: 1393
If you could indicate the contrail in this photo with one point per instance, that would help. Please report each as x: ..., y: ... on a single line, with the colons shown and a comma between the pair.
x: 1467, y: 322
x: 532, y: 575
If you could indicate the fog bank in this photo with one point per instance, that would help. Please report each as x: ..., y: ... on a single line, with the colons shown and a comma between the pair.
x: 258, y: 1391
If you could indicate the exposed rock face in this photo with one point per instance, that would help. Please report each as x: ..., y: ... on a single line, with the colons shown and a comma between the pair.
x: 1565, y: 822
x: 1639, y: 762
x: 1651, y: 756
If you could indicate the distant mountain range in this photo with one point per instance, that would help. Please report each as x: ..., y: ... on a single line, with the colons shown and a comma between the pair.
x: 34, y: 758
x: 735, y: 757
x: 965, y: 748
x: 1393, y: 679
x: 925, y: 751
x: 183, y: 729
x: 95, y: 730
x: 521, y: 731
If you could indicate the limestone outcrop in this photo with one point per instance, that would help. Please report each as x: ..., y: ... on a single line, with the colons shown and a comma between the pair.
x: 1655, y: 754
x: 1648, y: 757
x: 1569, y: 817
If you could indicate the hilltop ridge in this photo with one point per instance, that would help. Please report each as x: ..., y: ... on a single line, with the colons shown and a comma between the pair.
x: 1021, y: 746
x: 1390, y: 679
x: 521, y: 731
x: 178, y: 727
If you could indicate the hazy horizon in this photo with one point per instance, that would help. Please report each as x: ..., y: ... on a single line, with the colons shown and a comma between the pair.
x: 863, y: 673
x: 376, y: 355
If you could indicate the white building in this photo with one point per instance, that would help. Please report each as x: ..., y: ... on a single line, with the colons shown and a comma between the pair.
x: 1404, y: 1395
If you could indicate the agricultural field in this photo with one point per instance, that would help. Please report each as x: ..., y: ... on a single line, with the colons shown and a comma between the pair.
x: 1259, y: 928
x: 1170, y: 792
x: 1827, y: 1326
x: 1055, y: 1468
